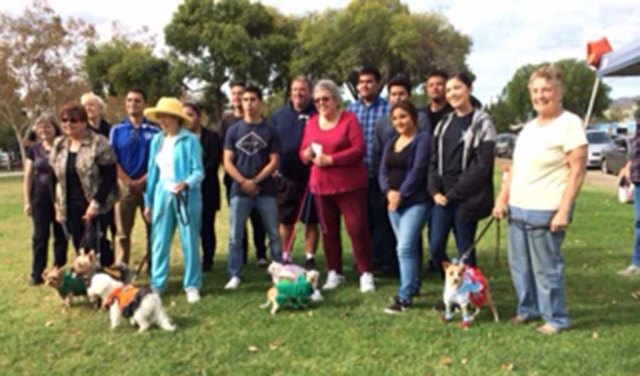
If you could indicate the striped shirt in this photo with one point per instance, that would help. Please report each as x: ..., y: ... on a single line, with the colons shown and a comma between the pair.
x: 368, y: 116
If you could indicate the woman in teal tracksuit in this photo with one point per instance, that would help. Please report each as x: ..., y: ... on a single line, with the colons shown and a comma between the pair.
x: 173, y: 195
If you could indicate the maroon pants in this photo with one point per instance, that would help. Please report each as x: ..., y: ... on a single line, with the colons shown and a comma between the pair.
x: 353, y: 207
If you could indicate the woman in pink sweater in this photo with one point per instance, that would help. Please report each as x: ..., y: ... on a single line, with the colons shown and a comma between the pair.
x: 333, y: 143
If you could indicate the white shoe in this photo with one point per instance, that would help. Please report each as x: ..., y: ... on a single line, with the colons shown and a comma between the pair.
x: 316, y: 296
x: 366, y: 283
x: 333, y: 280
x: 630, y: 271
x: 193, y: 295
x: 233, y: 283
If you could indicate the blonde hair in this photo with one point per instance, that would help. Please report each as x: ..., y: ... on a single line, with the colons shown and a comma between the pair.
x: 87, y: 97
x: 551, y: 73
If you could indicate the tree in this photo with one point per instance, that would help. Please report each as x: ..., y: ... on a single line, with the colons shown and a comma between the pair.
x: 215, y: 41
x: 501, y: 115
x: 42, y: 54
x: 579, y: 79
x: 127, y: 61
x: 382, y: 33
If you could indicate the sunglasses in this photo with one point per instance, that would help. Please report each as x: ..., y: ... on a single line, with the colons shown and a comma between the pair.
x: 322, y: 99
x: 69, y: 120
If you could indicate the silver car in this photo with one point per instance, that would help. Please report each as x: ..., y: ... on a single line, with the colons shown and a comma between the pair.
x: 599, y: 144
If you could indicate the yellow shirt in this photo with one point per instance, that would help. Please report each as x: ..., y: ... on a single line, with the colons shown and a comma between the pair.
x: 540, y: 169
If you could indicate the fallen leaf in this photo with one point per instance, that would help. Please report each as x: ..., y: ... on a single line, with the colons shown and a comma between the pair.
x: 310, y: 314
x: 253, y: 349
x: 464, y: 361
x: 446, y: 361
x: 595, y: 335
x: 614, y: 302
x: 49, y: 323
x: 173, y: 303
x: 507, y: 367
x: 275, y: 344
x: 636, y: 294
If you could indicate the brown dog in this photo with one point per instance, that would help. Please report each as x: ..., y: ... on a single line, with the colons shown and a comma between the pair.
x: 65, y: 283
x: 86, y: 266
x: 465, y: 286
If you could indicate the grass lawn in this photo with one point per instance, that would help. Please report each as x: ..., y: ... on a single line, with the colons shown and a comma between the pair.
x: 227, y: 333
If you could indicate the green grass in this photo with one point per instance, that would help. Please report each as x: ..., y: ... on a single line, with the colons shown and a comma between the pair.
x: 346, y: 334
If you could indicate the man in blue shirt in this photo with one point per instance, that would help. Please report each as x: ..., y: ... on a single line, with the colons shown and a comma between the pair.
x: 294, y: 199
x: 369, y: 108
x: 251, y: 154
x: 130, y: 141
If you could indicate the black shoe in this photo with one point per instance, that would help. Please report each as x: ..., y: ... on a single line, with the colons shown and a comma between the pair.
x: 310, y: 263
x: 207, y: 268
x: 398, y: 306
x: 35, y: 281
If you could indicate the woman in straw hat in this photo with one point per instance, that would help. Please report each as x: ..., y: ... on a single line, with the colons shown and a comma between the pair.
x: 173, y: 195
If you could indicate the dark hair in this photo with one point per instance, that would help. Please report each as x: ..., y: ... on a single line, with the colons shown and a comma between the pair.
x: 438, y: 73
x: 409, y: 107
x: 255, y: 90
x: 73, y: 110
x: 372, y: 71
x: 138, y: 90
x: 193, y: 106
x: 237, y: 83
x: 400, y: 80
x: 468, y: 82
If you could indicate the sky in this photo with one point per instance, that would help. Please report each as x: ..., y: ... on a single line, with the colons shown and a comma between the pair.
x: 506, y: 34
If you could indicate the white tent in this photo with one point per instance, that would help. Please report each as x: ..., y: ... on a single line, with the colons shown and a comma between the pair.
x: 623, y: 62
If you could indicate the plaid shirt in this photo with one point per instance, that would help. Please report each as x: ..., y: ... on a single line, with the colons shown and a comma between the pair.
x: 368, y: 116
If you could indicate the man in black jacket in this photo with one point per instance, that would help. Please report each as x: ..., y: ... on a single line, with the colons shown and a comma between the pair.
x: 438, y: 107
x: 211, y: 149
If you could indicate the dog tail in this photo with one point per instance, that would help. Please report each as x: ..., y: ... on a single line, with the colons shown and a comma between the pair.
x: 266, y: 305
x: 161, y: 317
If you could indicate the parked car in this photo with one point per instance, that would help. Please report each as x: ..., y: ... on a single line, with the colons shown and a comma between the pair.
x: 614, y: 159
x: 505, y: 144
x: 599, y: 143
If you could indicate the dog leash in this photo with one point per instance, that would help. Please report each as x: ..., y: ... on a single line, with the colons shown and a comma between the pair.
x: 181, y: 206
x: 305, y: 205
x: 466, y: 254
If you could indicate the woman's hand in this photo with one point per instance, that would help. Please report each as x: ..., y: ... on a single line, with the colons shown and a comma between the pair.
x: 147, y: 215
x: 27, y: 209
x: 323, y: 160
x: 92, y: 212
x: 393, y: 198
x: 180, y: 187
x: 440, y: 199
x: 499, y: 210
x: 307, y: 155
x: 559, y: 222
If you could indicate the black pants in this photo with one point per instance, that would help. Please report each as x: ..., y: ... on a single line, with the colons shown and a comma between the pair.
x: 208, y: 234
x: 92, y: 237
x: 259, y: 234
x: 382, y: 236
x: 44, y: 217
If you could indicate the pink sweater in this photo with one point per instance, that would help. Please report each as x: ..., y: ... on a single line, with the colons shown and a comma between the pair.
x: 345, y: 144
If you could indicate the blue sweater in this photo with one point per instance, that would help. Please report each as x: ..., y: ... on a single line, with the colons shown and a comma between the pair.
x: 414, y: 187
x: 187, y: 165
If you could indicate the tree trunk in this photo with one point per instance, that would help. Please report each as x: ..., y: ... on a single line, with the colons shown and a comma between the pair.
x: 18, y: 130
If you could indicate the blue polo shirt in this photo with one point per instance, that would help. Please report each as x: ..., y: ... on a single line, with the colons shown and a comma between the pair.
x: 131, y: 145
x: 289, y: 124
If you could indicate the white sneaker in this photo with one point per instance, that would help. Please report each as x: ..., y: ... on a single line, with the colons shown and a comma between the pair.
x: 630, y: 271
x: 366, y: 283
x: 233, y: 283
x: 333, y: 280
x: 193, y: 295
x: 316, y: 296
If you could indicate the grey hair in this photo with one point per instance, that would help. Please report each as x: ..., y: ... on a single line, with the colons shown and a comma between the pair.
x: 48, y: 118
x: 304, y: 79
x: 329, y: 86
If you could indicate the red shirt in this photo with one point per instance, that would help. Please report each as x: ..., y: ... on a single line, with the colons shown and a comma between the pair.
x: 345, y: 144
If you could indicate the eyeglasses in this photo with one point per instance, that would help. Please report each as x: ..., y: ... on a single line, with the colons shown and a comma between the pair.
x: 69, y: 120
x: 321, y: 100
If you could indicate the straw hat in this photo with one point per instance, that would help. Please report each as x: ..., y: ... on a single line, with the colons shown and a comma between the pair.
x: 168, y: 106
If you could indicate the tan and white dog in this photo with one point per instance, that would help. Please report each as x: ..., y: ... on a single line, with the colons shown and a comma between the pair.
x: 141, y: 305
x: 298, y: 292
x: 290, y: 272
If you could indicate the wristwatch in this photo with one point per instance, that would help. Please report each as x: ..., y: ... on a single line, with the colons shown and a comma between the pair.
x: 256, y: 181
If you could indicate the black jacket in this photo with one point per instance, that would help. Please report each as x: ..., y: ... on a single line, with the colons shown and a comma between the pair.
x: 211, y: 156
x: 473, y: 191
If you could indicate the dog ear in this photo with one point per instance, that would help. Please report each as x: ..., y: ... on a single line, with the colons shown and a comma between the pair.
x: 91, y: 256
x: 445, y: 265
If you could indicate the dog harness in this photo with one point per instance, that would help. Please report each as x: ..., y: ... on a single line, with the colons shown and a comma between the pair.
x: 298, y: 291
x: 72, y: 285
x: 128, y: 298
x: 472, y: 290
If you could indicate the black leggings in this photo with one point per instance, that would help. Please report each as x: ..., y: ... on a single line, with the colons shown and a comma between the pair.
x: 44, y: 217
x: 92, y: 237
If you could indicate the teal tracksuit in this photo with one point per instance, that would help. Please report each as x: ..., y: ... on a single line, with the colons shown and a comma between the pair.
x: 167, y: 211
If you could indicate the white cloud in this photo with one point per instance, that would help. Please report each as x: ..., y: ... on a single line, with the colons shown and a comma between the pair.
x: 506, y: 33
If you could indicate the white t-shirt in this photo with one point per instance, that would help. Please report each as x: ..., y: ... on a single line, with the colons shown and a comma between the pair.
x: 540, y: 169
x: 164, y: 160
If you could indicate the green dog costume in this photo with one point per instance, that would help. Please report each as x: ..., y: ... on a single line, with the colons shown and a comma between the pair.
x: 72, y: 285
x: 297, y: 292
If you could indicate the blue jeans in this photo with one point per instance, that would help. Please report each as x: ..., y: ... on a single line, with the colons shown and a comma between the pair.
x: 635, y: 256
x: 407, y: 224
x: 239, y: 210
x: 537, y: 266
x: 443, y: 220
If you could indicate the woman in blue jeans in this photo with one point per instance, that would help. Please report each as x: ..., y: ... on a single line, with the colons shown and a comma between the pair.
x: 548, y: 169
x: 402, y: 178
x: 461, y: 173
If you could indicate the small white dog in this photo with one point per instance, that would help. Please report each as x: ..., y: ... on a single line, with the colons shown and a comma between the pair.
x: 291, y: 272
x: 141, y: 305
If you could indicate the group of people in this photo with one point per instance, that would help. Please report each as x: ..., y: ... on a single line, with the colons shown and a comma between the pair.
x: 384, y: 166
